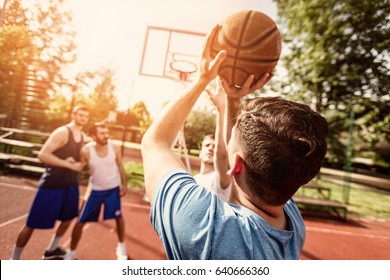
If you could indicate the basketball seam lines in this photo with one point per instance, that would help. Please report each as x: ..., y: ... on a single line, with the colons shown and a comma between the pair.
x: 238, y: 49
x: 261, y: 40
x: 254, y: 59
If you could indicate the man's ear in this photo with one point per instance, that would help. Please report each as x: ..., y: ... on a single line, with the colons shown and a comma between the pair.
x: 237, y: 165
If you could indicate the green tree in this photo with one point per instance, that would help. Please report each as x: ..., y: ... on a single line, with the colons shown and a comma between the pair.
x: 57, y: 112
x: 54, y: 33
x: 143, y: 116
x: 16, y: 51
x: 338, y: 60
x: 198, y: 124
x: 96, y: 89
x: 50, y: 48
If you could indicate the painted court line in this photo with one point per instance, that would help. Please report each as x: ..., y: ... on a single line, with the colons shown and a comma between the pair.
x: 28, y: 188
x: 134, y: 205
x: 13, y: 220
x: 341, y: 232
x: 146, y: 207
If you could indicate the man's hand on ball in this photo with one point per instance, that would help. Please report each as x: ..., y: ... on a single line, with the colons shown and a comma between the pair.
x: 247, y: 87
x: 208, y: 68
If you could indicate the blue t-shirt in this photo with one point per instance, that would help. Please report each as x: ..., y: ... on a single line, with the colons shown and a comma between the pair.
x: 193, y: 223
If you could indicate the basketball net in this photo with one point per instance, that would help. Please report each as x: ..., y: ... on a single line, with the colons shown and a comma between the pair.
x: 184, y: 69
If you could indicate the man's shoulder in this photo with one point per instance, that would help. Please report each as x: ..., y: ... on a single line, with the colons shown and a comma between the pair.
x: 175, y: 173
x: 88, y: 146
x: 59, y: 135
x: 60, y: 130
x: 174, y: 180
x: 114, y: 146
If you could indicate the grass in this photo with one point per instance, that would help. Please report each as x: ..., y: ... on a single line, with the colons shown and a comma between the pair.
x: 135, y: 174
x: 362, y: 202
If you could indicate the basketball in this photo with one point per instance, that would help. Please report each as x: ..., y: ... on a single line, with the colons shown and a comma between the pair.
x: 253, y: 45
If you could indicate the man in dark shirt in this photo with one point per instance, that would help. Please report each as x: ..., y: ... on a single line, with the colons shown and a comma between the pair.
x: 58, y: 190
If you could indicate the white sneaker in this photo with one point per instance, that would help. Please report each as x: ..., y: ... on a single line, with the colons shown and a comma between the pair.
x: 121, y: 251
x: 71, y: 255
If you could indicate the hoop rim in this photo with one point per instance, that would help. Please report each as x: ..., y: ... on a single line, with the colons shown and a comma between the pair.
x: 188, y: 63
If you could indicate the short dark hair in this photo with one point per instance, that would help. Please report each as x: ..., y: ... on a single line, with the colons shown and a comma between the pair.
x: 283, y: 144
x: 80, y: 107
x: 94, y: 127
x: 209, y: 136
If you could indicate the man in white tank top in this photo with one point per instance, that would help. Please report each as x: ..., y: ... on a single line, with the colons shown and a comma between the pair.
x: 213, y: 155
x: 107, y: 183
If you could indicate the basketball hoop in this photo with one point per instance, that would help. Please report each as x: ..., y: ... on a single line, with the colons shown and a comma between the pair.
x: 184, y: 68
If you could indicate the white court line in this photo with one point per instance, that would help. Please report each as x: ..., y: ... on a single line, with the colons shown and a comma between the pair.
x: 134, y: 205
x: 335, y: 231
x: 28, y: 188
x: 18, y: 186
x: 87, y: 225
x: 13, y: 220
x: 68, y: 240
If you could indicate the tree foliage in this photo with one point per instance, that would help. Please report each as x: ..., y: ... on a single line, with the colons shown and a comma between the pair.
x: 93, y: 89
x: 199, y: 123
x: 16, y: 51
x: 37, y: 44
x: 338, y: 59
x: 49, y: 25
x: 54, y: 33
x: 138, y: 116
x: 102, y: 100
x: 142, y: 115
x: 41, y: 39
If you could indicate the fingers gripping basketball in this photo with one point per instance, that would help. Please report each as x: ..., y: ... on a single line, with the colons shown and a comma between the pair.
x: 253, y: 45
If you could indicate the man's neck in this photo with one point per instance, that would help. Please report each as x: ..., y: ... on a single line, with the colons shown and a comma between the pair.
x: 206, y: 168
x: 77, y: 128
x: 274, y: 215
x: 100, y: 146
x: 100, y: 149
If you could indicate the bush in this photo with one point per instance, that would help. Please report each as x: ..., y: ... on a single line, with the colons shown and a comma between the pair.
x: 134, y: 174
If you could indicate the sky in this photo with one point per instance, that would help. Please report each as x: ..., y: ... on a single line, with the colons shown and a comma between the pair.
x: 111, y: 33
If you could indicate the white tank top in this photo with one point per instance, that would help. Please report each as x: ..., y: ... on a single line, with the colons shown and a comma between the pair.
x: 211, y: 182
x: 103, y: 170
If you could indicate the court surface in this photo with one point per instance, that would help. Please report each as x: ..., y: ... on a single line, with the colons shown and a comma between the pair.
x: 357, y: 239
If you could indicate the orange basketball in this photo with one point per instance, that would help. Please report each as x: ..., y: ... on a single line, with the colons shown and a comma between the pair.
x: 253, y: 45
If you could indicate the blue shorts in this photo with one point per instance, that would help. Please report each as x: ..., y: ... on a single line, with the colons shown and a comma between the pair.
x: 51, y: 205
x: 112, y: 206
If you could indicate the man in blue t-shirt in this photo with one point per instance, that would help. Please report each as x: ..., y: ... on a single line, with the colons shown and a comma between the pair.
x: 274, y: 146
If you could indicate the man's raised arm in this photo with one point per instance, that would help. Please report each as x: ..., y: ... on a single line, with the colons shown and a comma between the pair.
x: 158, y: 157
